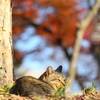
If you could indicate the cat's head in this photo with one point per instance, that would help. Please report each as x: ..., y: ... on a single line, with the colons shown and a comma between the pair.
x: 53, y: 77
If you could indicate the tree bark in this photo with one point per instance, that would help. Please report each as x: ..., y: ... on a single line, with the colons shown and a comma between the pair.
x: 6, y: 64
x: 80, y: 32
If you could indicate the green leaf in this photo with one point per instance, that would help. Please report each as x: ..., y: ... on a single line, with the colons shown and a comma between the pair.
x: 92, y: 88
x: 1, y: 90
x: 59, y: 92
x: 86, y: 90
x: 6, y: 88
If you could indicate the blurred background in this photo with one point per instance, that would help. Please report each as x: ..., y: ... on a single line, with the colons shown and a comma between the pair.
x: 44, y: 34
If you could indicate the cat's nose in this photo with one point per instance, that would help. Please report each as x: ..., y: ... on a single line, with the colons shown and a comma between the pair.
x: 63, y: 83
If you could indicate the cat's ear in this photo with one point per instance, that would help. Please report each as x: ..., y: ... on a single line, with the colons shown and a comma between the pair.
x: 49, y: 70
x: 59, y: 69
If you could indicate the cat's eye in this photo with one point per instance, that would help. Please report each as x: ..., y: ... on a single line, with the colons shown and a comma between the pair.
x: 58, y: 79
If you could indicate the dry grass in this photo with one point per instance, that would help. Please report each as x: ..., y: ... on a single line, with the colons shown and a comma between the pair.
x: 88, y: 96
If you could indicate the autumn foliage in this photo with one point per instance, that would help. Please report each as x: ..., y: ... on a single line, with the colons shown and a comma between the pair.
x: 53, y: 19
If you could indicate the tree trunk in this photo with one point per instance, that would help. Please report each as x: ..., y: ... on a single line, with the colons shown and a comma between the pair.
x: 6, y: 64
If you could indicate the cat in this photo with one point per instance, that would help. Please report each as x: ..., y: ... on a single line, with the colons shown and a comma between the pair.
x: 46, y: 84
